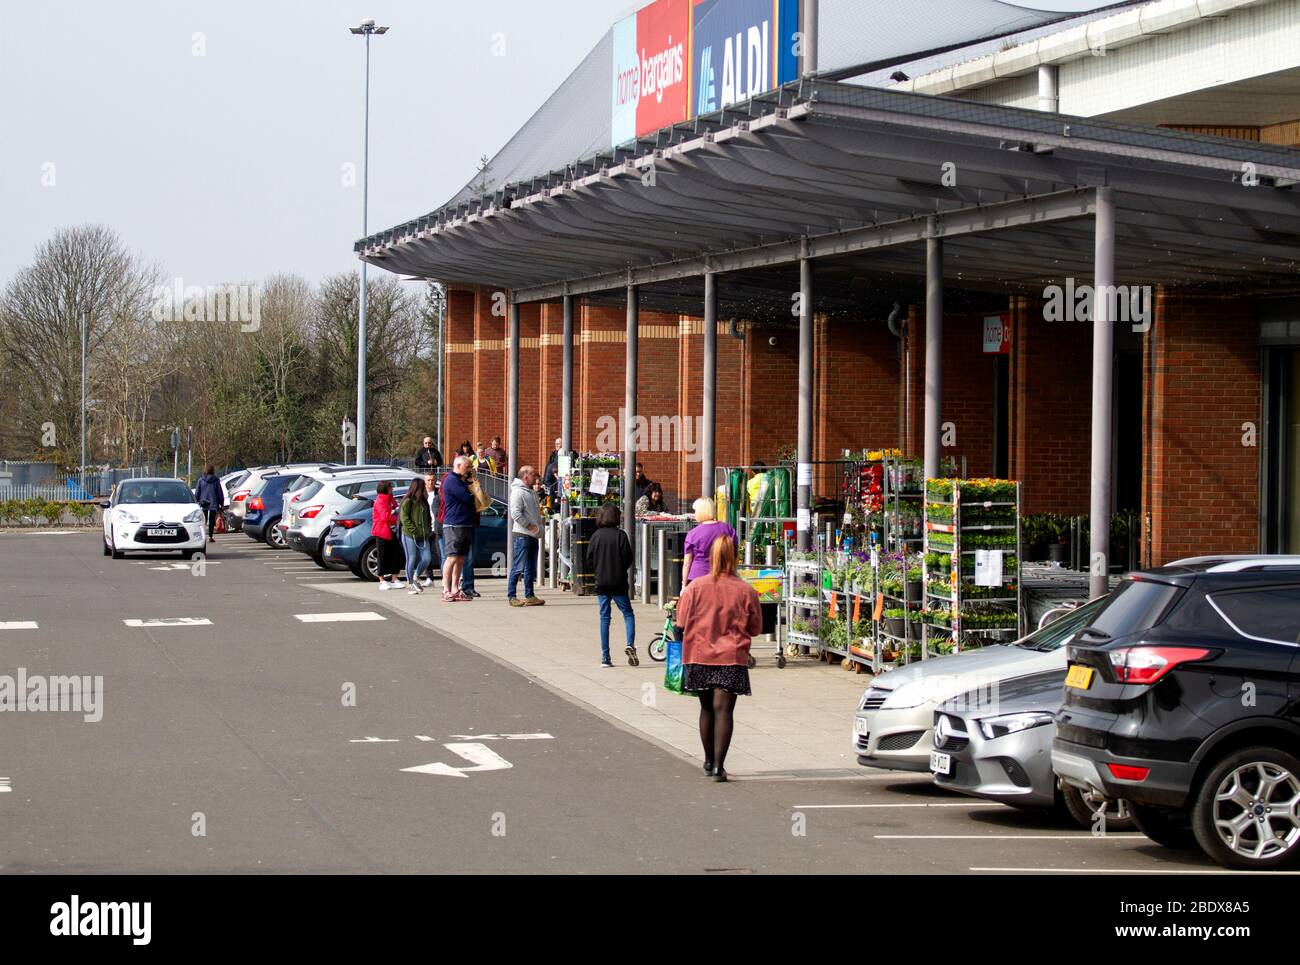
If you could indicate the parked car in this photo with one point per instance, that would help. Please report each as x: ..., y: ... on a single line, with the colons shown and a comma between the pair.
x: 995, y: 742
x: 152, y: 514
x: 1183, y: 697
x: 893, y: 723
x: 350, y: 540
x: 265, y: 504
x: 310, y: 513
x: 238, y: 496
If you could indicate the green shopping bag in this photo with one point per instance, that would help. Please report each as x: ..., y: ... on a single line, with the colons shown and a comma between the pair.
x: 674, y: 669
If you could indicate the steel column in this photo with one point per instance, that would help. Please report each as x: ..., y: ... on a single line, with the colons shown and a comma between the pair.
x: 1103, y: 346
x: 629, y: 416
x: 803, y: 458
x: 1049, y: 98
x: 512, y: 419
x: 566, y: 391
x: 933, y: 351
x: 709, y: 410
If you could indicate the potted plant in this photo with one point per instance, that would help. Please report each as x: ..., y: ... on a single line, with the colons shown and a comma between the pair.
x: 1058, y: 539
x: 895, y: 621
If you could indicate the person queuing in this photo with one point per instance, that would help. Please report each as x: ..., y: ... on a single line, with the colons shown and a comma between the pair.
x: 435, y: 528
x: 652, y: 502
x: 417, y: 527
x: 499, y: 457
x: 526, y: 530
x: 382, y: 516
x: 211, y: 495
x: 640, y: 481
x: 482, y: 461
x: 458, y: 519
x: 699, y: 541
x: 467, y: 570
x: 427, y: 457
x: 551, y: 475
x: 611, y: 557
x: 718, y: 615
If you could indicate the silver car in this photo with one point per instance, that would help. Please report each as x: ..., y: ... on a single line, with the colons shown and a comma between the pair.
x: 309, y: 515
x: 892, y: 726
x: 995, y: 742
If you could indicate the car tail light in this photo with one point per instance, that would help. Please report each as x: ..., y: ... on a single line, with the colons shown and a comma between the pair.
x: 347, y: 523
x: 310, y: 512
x: 1127, y: 772
x: 240, y: 496
x: 256, y: 503
x: 1146, y: 665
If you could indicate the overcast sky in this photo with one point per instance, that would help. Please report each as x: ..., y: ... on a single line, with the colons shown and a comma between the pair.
x: 213, y: 135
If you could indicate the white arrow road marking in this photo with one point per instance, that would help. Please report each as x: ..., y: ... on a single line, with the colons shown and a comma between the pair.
x: 4, y: 785
x: 374, y: 740
x: 501, y: 737
x: 354, y: 617
x: 482, y: 759
x: 171, y: 622
x: 19, y: 625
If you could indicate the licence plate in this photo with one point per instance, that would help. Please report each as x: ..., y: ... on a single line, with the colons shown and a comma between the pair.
x: 160, y: 532
x: 1079, y: 676
x: 860, y: 726
x: 940, y: 763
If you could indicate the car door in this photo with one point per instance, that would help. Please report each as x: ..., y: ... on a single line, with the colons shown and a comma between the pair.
x: 1267, y: 618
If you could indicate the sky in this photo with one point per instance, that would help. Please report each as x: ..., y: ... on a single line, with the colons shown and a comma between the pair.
x: 222, y: 139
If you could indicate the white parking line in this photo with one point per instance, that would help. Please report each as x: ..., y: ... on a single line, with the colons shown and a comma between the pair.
x: 170, y: 622
x: 1080, y: 836
x: 353, y: 617
x: 1136, y: 871
x: 19, y: 625
x: 835, y: 807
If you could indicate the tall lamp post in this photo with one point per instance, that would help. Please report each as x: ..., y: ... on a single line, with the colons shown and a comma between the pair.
x: 365, y: 29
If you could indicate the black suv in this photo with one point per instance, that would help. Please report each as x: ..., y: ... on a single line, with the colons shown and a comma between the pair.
x: 1183, y: 698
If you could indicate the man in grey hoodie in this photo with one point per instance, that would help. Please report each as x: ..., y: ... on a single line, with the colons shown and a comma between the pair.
x: 525, y: 529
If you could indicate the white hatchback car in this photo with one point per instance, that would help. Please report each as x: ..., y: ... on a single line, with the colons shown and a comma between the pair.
x: 152, y: 515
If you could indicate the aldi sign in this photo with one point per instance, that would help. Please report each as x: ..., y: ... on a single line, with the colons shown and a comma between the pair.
x: 676, y: 59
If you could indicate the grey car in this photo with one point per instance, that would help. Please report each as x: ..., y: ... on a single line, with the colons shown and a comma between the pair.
x: 996, y: 743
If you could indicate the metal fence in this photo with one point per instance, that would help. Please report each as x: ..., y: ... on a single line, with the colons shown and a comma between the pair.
x: 71, y: 487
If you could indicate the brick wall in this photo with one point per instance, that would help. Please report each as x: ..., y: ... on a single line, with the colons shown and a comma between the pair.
x: 1202, y: 488
x: 1051, y: 410
x: 767, y: 419
x: 489, y: 415
x: 459, y: 393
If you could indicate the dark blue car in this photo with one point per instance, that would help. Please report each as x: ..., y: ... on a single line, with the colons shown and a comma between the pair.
x: 351, y: 542
x: 264, y: 506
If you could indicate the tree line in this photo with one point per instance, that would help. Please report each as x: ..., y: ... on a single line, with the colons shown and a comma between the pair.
x: 267, y: 388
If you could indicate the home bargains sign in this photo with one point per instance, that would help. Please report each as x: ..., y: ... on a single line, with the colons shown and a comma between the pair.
x: 675, y: 59
x: 997, y: 334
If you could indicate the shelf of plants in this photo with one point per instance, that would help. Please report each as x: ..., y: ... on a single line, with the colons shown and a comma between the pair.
x: 971, y: 564
x: 581, y: 505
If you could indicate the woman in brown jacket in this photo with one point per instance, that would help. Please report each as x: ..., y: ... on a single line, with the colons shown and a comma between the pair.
x: 717, y: 616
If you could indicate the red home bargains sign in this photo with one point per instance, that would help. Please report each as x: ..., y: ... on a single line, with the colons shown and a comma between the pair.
x: 651, y: 69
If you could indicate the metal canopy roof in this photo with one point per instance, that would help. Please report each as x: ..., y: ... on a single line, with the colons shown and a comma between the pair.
x: 855, y: 177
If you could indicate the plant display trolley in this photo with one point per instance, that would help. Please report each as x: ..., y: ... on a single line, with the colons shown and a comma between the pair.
x: 971, y: 564
x: 594, y: 479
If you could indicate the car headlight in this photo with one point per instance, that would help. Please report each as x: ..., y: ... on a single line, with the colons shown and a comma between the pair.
x: 195, y: 517
x: 907, y: 696
x: 125, y: 517
x: 993, y: 727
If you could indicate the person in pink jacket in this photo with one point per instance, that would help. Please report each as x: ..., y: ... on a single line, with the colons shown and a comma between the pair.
x: 383, y: 516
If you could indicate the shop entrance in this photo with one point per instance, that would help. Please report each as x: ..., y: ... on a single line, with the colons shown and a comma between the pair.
x: 1282, y: 441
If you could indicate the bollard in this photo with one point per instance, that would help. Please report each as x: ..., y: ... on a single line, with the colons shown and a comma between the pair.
x: 663, y: 570
x: 643, y: 562
x: 770, y: 554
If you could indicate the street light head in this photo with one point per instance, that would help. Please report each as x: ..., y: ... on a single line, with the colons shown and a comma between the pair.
x: 367, y: 23
x: 367, y: 27
x: 381, y: 30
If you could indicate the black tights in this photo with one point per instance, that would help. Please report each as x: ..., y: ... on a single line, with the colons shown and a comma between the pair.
x: 716, y: 724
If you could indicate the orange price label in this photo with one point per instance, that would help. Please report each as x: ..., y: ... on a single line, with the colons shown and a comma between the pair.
x: 857, y: 608
x: 879, y: 608
x: 835, y: 603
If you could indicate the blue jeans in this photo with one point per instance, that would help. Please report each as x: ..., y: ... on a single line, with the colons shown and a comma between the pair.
x: 419, y: 556
x: 467, y: 569
x: 629, y: 622
x: 525, y: 563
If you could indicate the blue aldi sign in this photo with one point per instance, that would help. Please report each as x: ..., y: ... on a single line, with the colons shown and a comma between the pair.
x: 740, y: 48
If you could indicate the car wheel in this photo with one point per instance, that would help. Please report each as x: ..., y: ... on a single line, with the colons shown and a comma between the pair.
x: 1083, y: 807
x: 368, y: 568
x: 1245, y: 812
x: 274, y: 538
x: 1170, y: 829
x: 107, y: 550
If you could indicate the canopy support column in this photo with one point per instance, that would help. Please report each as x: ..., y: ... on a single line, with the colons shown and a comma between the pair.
x: 566, y: 385
x: 629, y: 416
x: 709, y: 408
x: 803, y: 458
x: 933, y: 350
x: 512, y: 417
x: 1103, y: 347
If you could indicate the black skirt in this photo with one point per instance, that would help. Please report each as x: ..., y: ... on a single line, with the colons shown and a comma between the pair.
x: 703, y: 676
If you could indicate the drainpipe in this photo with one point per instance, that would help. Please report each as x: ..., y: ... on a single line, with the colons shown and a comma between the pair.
x: 899, y: 332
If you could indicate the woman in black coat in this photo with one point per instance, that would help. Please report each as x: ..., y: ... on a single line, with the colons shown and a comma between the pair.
x: 611, y: 557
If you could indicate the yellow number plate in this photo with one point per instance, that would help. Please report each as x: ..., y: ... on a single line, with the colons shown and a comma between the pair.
x: 1079, y: 676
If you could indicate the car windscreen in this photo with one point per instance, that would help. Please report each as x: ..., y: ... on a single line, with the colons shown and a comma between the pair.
x: 167, y: 491
x: 1061, y: 630
x: 1136, y: 605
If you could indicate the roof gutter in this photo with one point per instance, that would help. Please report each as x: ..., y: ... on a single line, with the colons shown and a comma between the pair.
x: 1086, y: 40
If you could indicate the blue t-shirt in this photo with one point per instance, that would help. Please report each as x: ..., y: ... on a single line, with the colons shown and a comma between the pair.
x: 458, y: 502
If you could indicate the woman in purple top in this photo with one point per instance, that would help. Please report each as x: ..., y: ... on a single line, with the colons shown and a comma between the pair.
x: 695, y: 562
